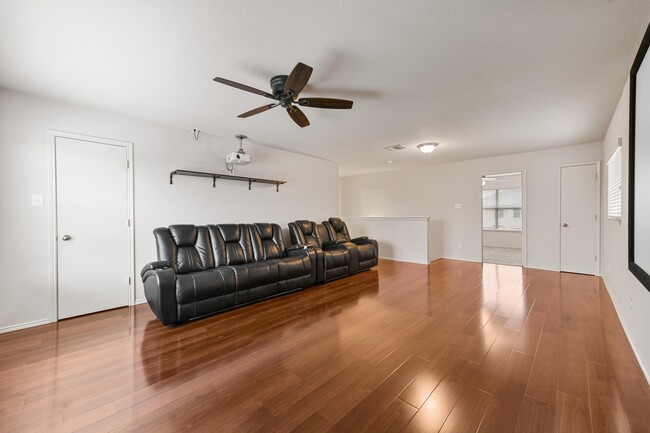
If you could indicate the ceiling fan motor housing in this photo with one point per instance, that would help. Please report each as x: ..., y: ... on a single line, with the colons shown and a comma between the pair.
x: 277, y: 84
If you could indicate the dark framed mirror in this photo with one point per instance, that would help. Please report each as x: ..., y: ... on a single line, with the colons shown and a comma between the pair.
x: 639, y: 163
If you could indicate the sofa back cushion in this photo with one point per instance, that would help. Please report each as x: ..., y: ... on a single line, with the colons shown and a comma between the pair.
x: 185, y: 246
x: 231, y: 244
x: 338, y: 230
x: 267, y: 241
x: 305, y: 232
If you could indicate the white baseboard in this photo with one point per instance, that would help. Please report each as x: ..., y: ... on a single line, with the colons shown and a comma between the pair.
x: 402, y: 260
x: 140, y: 301
x: 644, y: 368
x: 31, y: 324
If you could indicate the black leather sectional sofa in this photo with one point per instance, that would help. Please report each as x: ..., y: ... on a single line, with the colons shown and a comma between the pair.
x: 202, y: 270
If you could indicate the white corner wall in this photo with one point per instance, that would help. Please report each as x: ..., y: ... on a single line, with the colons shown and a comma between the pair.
x: 433, y: 191
x: 631, y: 298
x: 311, y: 192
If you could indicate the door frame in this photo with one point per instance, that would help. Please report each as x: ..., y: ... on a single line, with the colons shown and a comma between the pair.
x: 559, y: 212
x: 524, y: 210
x: 52, y: 135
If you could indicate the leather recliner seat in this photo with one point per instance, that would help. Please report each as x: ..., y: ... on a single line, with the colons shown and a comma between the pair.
x: 333, y: 259
x: 202, y: 270
x: 368, y: 248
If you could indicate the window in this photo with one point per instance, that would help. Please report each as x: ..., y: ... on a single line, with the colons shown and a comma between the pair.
x: 614, y: 185
x: 502, y: 209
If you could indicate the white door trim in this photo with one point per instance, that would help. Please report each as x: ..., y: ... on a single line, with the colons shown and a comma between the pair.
x: 51, y: 143
x: 524, y: 211
x: 559, y: 213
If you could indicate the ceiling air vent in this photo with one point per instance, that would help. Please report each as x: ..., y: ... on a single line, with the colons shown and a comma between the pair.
x: 395, y: 147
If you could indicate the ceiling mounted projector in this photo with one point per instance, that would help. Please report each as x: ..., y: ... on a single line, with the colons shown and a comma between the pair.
x: 240, y: 157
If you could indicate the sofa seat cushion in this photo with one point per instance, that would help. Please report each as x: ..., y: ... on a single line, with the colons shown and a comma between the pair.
x: 198, y: 286
x: 293, y: 267
x: 336, y: 259
x: 255, y: 274
x: 366, y: 252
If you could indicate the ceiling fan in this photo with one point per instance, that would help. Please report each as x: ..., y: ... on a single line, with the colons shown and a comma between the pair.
x: 285, y: 89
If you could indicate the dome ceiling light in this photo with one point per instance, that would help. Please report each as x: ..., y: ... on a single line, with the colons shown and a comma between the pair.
x: 427, y: 147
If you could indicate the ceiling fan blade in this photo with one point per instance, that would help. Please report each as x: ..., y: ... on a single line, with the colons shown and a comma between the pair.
x: 298, y: 78
x: 257, y: 110
x: 340, y: 104
x: 298, y: 116
x: 243, y: 87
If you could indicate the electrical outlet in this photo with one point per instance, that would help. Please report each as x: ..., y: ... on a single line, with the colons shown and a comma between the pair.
x: 631, y: 303
x: 458, y: 205
x: 460, y: 245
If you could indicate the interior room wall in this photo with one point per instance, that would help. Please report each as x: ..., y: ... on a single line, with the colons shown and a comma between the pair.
x: 311, y: 192
x: 631, y: 298
x: 437, y: 190
x: 502, y: 238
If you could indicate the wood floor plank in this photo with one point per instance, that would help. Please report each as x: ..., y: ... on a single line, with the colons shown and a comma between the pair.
x: 394, y: 418
x: 535, y: 417
x: 435, y: 410
x: 504, y: 410
x: 488, y: 376
x: 467, y: 414
x: 530, y: 333
x: 571, y: 414
x: 606, y: 408
x: 372, y: 406
x: 542, y: 383
x: 453, y: 346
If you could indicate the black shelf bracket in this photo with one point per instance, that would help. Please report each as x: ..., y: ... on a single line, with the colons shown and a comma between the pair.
x: 216, y: 176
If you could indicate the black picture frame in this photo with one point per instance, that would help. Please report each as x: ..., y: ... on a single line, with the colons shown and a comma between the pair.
x: 643, y: 275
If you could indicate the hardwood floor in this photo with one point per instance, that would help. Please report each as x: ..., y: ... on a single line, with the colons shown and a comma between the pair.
x: 453, y: 347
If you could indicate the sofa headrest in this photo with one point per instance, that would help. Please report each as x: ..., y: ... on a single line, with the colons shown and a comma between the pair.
x: 184, y: 234
x: 306, y: 226
x: 230, y: 232
x: 337, y: 223
x: 265, y: 230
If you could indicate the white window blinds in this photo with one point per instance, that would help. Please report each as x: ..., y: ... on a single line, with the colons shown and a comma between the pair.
x: 614, y: 185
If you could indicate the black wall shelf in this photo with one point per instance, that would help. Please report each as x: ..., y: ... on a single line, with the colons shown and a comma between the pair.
x: 216, y: 176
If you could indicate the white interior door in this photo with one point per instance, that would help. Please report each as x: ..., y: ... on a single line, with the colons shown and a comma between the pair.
x: 578, y: 219
x: 92, y: 212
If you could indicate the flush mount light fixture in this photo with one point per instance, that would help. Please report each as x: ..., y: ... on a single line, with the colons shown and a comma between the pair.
x: 427, y: 147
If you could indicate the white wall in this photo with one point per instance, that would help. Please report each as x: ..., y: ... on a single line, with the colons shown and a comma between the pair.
x: 502, y: 238
x: 631, y: 299
x: 410, y: 246
x: 27, y: 291
x: 433, y: 190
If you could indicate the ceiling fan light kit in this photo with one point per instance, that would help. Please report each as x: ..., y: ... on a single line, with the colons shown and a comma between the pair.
x: 427, y: 147
x: 286, y: 90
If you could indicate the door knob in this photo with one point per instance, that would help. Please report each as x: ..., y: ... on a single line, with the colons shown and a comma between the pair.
x: 65, y: 238
x: 565, y: 225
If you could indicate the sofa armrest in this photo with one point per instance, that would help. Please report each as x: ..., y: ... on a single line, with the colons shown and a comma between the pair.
x: 162, y: 264
x: 330, y: 243
x: 296, y: 247
x: 359, y: 239
x: 160, y: 291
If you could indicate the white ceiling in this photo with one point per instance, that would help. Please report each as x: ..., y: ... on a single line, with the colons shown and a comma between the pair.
x: 481, y: 78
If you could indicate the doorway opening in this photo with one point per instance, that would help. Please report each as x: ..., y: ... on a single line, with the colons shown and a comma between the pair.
x: 503, y: 222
